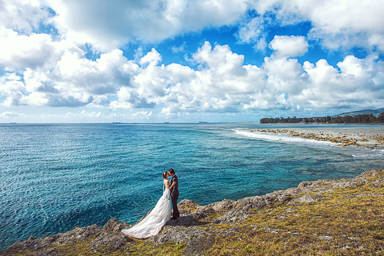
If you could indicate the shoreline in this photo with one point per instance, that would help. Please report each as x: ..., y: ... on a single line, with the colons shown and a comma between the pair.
x: 340, y: 136
x: 205, y: 228
x: 225, y: 212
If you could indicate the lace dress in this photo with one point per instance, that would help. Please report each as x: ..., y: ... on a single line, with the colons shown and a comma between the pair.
x: 153, y: 222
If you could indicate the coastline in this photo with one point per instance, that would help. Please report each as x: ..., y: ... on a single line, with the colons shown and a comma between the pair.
x: 325, y: 216
x: 368, y: 138
x: 83, y: 181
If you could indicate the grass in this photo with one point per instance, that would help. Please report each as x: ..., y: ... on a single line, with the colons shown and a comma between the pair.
x: 347, y: 221
x: 337, y: 225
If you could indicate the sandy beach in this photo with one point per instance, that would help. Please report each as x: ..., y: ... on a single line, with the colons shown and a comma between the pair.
x: 371, y: 137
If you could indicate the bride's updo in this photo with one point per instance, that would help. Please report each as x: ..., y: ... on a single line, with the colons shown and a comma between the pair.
x: 165, y: 175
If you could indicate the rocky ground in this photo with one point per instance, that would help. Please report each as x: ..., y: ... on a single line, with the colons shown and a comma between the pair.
x: 342, y: 137
x: 331, y: 217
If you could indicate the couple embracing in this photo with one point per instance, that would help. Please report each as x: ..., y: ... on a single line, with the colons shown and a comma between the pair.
x: 156, y: 219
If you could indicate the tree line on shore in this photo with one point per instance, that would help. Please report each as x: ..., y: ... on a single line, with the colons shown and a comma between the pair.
x: 364, y: 118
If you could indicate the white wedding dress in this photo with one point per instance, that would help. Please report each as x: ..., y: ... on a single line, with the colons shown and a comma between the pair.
x: 155, y: 220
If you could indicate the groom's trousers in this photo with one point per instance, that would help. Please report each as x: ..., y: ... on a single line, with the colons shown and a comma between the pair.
x: 176, y: 213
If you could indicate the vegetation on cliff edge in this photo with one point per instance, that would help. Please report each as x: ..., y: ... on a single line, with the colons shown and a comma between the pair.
x: 337, y: 219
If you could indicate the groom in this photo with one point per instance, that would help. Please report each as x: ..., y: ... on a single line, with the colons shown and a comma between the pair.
x: 174, y: 193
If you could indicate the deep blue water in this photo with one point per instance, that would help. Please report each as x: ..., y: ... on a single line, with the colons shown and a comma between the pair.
x: 57, y: 176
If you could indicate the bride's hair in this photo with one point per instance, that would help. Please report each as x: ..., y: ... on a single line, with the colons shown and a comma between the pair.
x: 165, y: 175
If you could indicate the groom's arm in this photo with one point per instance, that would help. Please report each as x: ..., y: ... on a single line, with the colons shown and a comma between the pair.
x: 174, y: 180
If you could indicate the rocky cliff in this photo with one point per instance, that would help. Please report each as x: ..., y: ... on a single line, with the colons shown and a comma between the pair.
x: 323, y: 217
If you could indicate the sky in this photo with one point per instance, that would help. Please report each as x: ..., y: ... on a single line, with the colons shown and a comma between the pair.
x: 181, y: 61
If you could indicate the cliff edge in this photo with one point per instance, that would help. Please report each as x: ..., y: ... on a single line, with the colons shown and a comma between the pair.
x: 322, y: 217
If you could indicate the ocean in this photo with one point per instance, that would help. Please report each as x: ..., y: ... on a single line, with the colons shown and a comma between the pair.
x: 57, y: 176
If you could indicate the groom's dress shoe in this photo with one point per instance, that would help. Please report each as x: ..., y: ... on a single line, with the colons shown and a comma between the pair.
x: 174, y: 218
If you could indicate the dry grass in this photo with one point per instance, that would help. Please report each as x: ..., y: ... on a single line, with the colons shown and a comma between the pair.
x: 347, y: 221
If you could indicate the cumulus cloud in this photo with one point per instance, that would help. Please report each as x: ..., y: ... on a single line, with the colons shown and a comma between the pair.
x: 24, y: 51
x: 337, y: 24
x: 353, y: 86
x: 289, y: 46
x: 24, y: 16
x: 221, y: 82
x: 107, y: 26
x: 52, y: 69
x: 72, y: 81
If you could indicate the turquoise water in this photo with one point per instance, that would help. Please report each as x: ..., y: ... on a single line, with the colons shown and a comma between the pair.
x: 57, y: 176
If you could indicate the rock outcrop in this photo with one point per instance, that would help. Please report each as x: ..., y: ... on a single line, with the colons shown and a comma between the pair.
x: 193, y: 231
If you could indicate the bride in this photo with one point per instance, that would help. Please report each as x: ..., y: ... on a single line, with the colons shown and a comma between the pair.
x: 153, y: 222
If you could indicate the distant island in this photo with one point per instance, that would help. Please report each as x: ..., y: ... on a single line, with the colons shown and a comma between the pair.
x: 348, y: 118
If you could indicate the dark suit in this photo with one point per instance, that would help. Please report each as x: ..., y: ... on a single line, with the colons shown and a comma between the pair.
x: 175, y: 195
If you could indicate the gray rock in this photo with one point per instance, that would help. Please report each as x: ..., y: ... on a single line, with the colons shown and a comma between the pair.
x: 110, y: 242
x: 115, y: 226
x: 250, y: 203
x: 272, y: 230
x: 195, y: 238
x: 305, y: 184
x: 327, y: 238
x: 377, y: 183
x: 360, y: 195
x: 198, y: 244
x: 232, y: 217
x: 231, y: 231
x: 224, y: 205
x: 179, y: 235
x: 203, y: 212
x: 38, y: 246
x: 187, y: 229
x: 306, y: 199
x: 187, y: 206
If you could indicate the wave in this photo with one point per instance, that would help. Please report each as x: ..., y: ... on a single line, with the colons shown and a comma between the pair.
x: 355, y: 152
x: 276, y: 137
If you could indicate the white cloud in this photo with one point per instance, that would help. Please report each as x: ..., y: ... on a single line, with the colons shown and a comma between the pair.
x: 180, y: 48
x: 71, y: 81
x: 9, y: 115
x: 107, y: 26
x: 353, y: 86
x: 337, y: 24
x: 22, y: 51
x: 11, y: 87
x: 75, y: 117
x: 251, y: 30
x: 289, y: 46
x: 151, y: 58
x: 222, y: 83
x: 261, y: 45
x: 23, y: 16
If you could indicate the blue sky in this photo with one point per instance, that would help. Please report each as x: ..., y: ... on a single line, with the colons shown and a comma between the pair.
x: 188, y: 61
